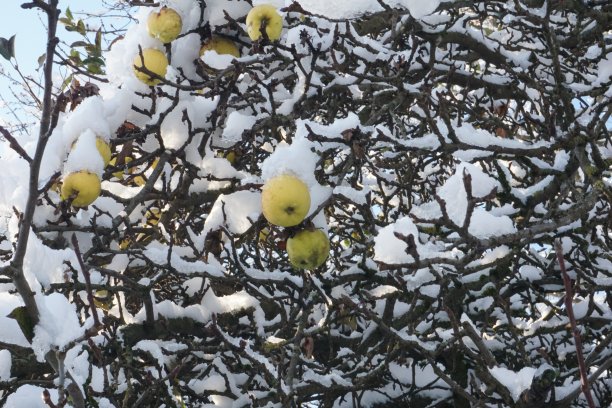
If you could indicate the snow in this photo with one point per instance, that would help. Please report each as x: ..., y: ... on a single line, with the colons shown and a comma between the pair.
x: 604, y: 70
x: 58, y: 326
x: 382, y: 291
x: 161, y: 351
x: 185, y: 50
x: 235, y: 125
x: 44, y: 265
x: 215, y: 10
x: 530, y: 273
x: 340, y: 9
x: 352, y: 194
x: 158, y: 253
x: 237, y: 211
x: 296, y: 158
x: 390, y: 249
x: 355, y: 8
x: 420, y: 8
x: 209, y: 383
x: 423, y: 376
x: 483, y: 223
x: 273, y: 276
x: 29, y: 396
x: 54, y: 155
x: 84, y: 156
x: 515, y: 381
x: 217, y: 61
x: 88, y: 116
x: 328, y: 380
x: 211, y: 304
x: 174, y: 130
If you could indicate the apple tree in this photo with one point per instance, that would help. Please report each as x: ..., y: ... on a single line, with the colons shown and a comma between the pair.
x: 374, y: 203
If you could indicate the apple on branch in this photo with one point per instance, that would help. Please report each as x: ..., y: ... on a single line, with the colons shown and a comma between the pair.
x: 165, y: 25
x: 285, y: 200
x: 308, y: 249
x: 153, y: 60
x: 221, y: 45
x: 104, y: 150
x: 81, y: 188
x: 264, y: 17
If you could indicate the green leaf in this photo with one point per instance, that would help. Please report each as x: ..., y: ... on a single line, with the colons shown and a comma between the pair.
x: 69, y: 13
x: 81, y: 27
x: 93, y: 60
x: 99, y: 39
x: 66, y: 82
x: 41, y: 60
x: 79, y: 44
x: 65, y: 21
x: 7, y: 47
x: 26, y: 324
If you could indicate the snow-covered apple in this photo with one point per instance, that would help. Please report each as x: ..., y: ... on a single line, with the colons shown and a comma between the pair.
x: 103, y: 148
x: 285, y: 200
x: 155, y: 61
x: 165, y: 24
x: 308, y: 249
x: 221, y: 45
x: 265, y: 17
x: 81, y: 187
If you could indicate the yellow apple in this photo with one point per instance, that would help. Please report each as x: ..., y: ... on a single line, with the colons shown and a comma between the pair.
x: 308, y: 249
x: 104, y: 149
x: 119, y: 174
x: 125, y: 243
x: 165, y: 25
x: 266, y: 15
x: 139, y: 181
x: 264, y: 234
x: 82, y: 187
x: 221, y: 46
x: 152, y: 216
x: 285, y: 200
x: 103, y: 299
x: 229, y: 155
x: 155, y: 61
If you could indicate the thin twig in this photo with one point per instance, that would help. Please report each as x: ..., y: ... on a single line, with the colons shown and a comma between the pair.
x: 85, y: 270
x: 606, y: 365
x: 46, y: 397
x: 15, y: 145
x: 569, y: 297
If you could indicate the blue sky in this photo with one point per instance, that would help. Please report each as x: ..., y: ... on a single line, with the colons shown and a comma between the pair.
x: 29, y: 25
x: 30, y: 28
